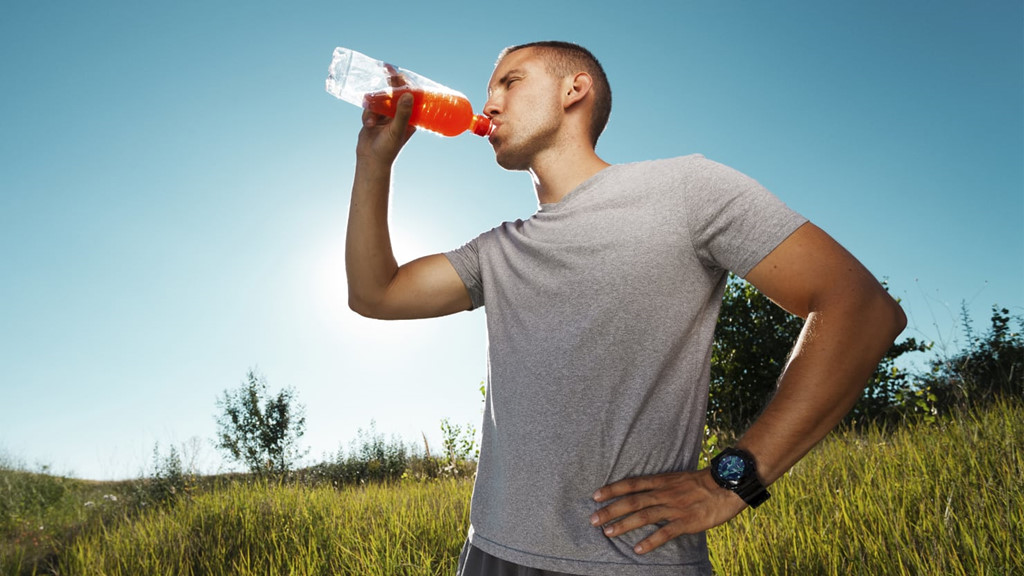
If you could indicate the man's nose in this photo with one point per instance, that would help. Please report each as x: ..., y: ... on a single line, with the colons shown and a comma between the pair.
x: 491, y: 107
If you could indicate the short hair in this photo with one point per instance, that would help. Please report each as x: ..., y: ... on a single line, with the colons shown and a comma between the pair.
x: 565, y: 58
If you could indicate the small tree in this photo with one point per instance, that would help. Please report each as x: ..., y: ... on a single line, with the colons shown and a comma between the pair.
x: 753, y: 339
x: 460, y: 446
x: 259, y: 430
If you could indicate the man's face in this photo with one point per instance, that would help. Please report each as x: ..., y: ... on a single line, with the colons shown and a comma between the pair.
x: 524, y: 106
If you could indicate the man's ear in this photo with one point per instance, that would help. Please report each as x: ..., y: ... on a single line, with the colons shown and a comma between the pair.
x: 576, y: 89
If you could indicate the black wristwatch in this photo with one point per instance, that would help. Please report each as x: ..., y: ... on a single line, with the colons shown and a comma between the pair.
x: 735, y: 469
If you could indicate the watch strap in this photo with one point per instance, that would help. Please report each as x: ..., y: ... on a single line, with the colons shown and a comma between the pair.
x: 753, y: 492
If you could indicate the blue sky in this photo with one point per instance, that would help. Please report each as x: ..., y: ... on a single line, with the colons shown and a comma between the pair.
x: 174, y: 185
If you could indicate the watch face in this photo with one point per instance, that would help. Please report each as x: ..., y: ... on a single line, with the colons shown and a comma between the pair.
x: 731, y: 468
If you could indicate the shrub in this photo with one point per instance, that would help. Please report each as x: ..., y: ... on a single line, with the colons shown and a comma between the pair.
x: 169, y: 482
x: 991, y: 366
x: 261, y: 430
x: 372, y: 458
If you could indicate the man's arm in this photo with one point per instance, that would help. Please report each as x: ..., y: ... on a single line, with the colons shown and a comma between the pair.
x: 851, y: 321
x: 377, y: 286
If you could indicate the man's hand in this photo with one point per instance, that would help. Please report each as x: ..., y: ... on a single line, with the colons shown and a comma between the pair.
x: 686, y: 502
x: 382, y: 138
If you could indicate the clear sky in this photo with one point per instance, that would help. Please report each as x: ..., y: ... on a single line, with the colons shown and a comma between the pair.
x: 174, y: 185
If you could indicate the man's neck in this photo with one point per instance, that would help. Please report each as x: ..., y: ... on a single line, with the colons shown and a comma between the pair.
x: 559, y: 172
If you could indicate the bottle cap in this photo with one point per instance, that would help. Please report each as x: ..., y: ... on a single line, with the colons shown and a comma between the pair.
x: 482, y: 125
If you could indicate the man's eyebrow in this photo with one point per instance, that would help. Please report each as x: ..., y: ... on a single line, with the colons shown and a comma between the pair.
x: 504, y: 79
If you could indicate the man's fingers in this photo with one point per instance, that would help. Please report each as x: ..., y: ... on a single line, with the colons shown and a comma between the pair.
x: 404, y: 109
x: 370, y: 119
x: 662, y: 535
x: 638, y: 519
x: 636, y: 503
x: 395, y: 78
x: 400, y: 128
x: 403, y: 112
x: 628, y: 486
x: 633, y: 494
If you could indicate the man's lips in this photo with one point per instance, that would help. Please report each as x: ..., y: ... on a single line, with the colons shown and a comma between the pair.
x: 492, y: 138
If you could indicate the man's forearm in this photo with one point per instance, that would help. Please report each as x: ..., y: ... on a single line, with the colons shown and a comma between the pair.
x: 370, y: 263
x: 838, y: 350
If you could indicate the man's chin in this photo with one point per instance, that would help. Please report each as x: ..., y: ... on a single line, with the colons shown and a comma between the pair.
x: 513, y: 167
x: 510, y: 162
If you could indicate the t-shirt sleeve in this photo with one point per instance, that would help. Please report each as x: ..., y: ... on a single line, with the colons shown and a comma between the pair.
x: 466, y: 261
x: 735, y: 221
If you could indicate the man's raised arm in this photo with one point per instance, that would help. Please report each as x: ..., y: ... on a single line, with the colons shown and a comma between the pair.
x: 377, y: 286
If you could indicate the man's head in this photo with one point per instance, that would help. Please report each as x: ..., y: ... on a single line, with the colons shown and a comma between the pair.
x: 564, y: 59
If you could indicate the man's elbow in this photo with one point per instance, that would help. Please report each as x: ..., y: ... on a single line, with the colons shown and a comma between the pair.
x: 887, y: 316
x: 899, y: 318
x: 872, y: 313
x: 364, y: 307
x: 359, y: 308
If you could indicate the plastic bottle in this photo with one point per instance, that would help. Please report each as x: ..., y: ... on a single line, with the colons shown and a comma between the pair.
x: 376, y: 86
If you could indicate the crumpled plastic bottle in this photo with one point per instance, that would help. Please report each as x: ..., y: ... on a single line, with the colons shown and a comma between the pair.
x: 374, y: 85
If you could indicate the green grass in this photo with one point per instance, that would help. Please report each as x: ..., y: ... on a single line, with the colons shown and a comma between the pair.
x: 940, y: 498
x: 945, y: 498
x: 417, y: 528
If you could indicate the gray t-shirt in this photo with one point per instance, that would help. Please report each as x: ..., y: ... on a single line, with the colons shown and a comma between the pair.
x: 601, y: 311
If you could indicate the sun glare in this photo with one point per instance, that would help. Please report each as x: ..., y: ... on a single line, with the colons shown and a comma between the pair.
x: 330, y: 289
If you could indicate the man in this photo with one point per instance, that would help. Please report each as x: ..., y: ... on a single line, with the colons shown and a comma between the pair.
x: 601, y: 310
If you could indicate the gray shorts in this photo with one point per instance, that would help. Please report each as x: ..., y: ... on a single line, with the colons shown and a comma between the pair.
x: 475, y: 562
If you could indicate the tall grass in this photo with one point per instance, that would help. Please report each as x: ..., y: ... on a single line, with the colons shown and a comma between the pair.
x: 932, y: 498
x: 411, y: 529
x: 945, y: 498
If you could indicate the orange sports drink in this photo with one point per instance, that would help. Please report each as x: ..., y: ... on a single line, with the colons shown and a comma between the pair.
x: 448, y: 114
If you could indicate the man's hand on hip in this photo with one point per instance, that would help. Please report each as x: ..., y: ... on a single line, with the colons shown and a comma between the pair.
x: 684, y: 502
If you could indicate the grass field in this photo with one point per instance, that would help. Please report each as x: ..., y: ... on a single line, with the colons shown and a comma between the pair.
x: 930, y: 499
